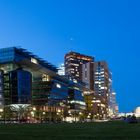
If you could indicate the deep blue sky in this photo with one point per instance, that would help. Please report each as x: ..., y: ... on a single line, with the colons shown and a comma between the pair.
x: 107, y: 29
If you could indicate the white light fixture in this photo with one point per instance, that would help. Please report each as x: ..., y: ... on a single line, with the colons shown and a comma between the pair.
x: 58, y: 85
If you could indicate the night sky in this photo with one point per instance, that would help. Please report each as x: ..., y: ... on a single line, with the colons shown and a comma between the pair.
x: 106, y: 29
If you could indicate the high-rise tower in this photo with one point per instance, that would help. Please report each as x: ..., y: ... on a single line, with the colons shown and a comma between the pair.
x: 73, y: 65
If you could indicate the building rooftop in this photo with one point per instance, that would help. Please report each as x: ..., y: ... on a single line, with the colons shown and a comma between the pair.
x: 14, y: 53
x: 79, y: 54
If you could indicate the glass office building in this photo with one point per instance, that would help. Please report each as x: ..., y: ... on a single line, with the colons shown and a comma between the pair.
x: 1, y: 88
x: 28, y: 79
x: 20, y: 69
x: 20, y: 86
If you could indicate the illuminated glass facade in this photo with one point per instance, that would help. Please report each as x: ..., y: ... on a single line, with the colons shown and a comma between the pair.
x: 7, y: 55
x: 98, y: 79
x: 17, y: 55
x: 20, y: 86
x: 102, y: 89
x: 1, y: 88
x: 27, y: 79
x: 75, y: 99
x: 41, y: 92
x: 16, y: 83
x: 101, y: 78
x: 59, y: 91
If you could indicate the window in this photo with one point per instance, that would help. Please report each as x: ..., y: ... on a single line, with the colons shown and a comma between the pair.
x: 34, y: 61
x: 58, y: 85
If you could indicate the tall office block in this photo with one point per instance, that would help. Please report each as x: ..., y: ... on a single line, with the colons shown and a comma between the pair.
x: 113, y: 106
x: 73, y: 65
x: 102, y: 81
x: 98, y: 79
x: 88, y: 75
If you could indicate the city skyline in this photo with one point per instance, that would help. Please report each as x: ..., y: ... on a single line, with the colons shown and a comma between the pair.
x: 107, y: 30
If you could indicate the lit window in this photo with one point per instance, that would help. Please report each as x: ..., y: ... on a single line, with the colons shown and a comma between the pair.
x: 75, y: 81
x: 58, y: 85
x: 72, y: 71
x: 34, y: 61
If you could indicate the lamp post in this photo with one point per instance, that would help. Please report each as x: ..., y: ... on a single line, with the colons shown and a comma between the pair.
x: 4, y: 113
x: 33, y: 113
x: 42, y: 114
x: 1, y: 111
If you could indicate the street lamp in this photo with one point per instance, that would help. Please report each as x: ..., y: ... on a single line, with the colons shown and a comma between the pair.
x: 1, y: 111
x: 44, y: 113
x: 80, y: 113
x: 59, y: 111
x: 34, y: 109
x: 33, y: 113
x: 42, y: 116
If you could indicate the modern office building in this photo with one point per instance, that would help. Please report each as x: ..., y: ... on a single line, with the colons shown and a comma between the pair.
x: 28, y: 79
x: 98, y: 80
x: 61, y: 69
x: 113, y: 106
x: 88, y: 75
x: 73, y: 65
x: 12, y: 60
x: 85, y: 91
x: 17, y: 86
x: 88, y: 80
x: 101, y: 78
x: 102, y: 86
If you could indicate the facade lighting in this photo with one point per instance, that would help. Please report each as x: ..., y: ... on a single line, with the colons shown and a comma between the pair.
x: 43, y: 113
x: 32, y: 113
x: 34, y: 109
x: 59, y: 111
x: 58, y: 85
x: 1, y: 110
x: 80, y: 113
x: 34, y: 61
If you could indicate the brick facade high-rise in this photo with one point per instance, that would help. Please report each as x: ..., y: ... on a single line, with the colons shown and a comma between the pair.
x: 73, y: 65
x: 96, y: 75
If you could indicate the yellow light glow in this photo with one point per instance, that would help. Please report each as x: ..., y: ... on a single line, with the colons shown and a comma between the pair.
x: 34, y: 109
x: 1, y: 110
x: 43, y: 113
x: 58, y: 110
